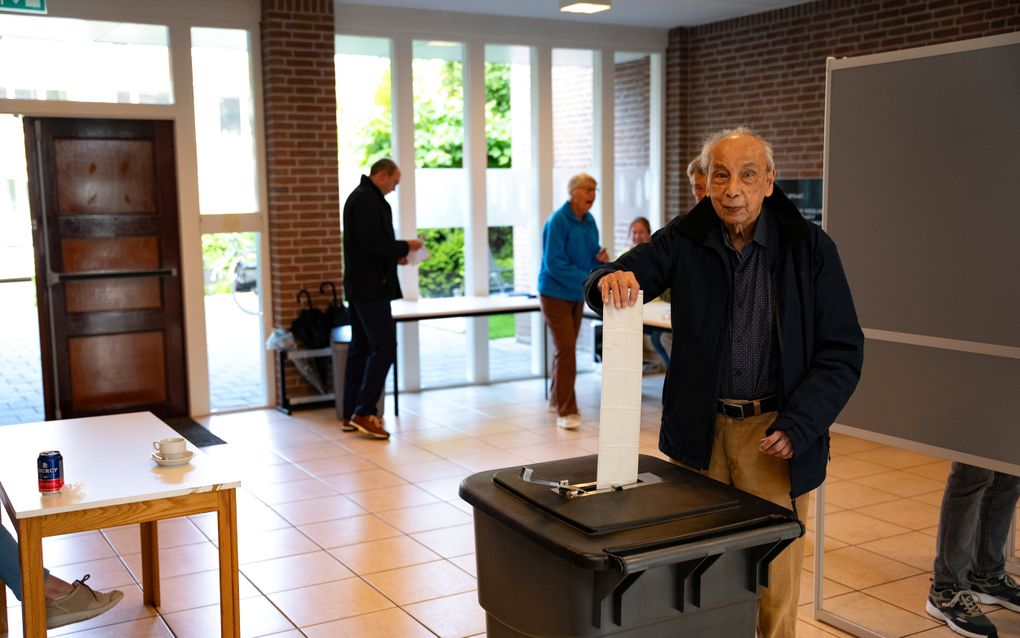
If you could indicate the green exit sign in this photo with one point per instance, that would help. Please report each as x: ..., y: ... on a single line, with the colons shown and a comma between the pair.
x: 23, y: 6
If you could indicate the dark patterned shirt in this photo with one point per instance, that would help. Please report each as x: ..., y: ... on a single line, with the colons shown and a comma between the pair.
x: 749, y: 361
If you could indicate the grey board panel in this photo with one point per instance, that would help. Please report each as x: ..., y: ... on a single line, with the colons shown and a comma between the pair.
x: 922, y: 192
x: 954, y: 400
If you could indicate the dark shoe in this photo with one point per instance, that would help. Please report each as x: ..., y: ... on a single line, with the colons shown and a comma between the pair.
x: 999, y: 590
x: 370, y: 425
x: 958, y: 608
x: 347, y: 426
x: 81, y: 604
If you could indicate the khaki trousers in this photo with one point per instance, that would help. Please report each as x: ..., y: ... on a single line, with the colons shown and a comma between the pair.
x: 564, y: 320
x: 736, y: 461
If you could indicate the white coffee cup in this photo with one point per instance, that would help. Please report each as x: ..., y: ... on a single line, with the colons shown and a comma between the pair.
x: 172, y: 448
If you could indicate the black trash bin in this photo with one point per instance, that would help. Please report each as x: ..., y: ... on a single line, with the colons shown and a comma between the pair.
x: 679, y: 555
x: 341, y: 343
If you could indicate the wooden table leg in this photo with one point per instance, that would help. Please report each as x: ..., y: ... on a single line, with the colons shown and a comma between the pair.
x: 230, y: 588
x: 150, y: 563
x: 33, y: 605
x: 3, y: 607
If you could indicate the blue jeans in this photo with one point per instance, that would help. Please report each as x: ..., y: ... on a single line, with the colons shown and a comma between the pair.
x: 373, y: 350
x: 10, y: 566
x: 977, y: 510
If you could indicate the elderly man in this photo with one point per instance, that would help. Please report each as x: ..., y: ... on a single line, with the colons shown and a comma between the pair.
x: 698, y: 178
x: 371, y: 255
x: 770, y: 346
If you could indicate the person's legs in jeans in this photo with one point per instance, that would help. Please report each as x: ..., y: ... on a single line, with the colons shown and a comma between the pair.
x: 564, y: 320
x: 998, y: 507
x: 958, y: 525
x: 380, y: 334
x: 354, y: 371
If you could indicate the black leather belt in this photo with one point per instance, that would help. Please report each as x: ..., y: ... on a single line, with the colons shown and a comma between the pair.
x: 748, y: 409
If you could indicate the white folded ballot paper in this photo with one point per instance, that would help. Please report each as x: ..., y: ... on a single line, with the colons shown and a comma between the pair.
x: 620, y: 420
x: 417, y: 256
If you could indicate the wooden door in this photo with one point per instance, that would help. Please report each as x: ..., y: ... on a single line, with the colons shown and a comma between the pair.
x: 104, y: 211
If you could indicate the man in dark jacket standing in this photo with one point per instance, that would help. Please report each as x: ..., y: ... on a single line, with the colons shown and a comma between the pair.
x: 766, y: 348
x: 371, y: 255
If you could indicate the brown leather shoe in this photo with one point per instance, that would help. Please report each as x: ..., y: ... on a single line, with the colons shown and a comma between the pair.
x: 370, y: 425
x: 347, y: 426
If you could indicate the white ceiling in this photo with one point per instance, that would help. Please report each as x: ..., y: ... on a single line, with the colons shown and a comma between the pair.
x: 663, y: 14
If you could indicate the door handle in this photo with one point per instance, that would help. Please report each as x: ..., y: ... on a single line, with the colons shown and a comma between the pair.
x: 57, y: 277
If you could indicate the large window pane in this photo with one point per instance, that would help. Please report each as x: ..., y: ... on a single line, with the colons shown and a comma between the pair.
x: 98, y: 61
x: 440, y: 181
x: 233, y: 327
x: 364, y: 113
x: 224, y: 121
x: 632, y: 188
x: 509, y: 192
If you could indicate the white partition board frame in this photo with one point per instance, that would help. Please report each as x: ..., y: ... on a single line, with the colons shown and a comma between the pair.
x: 944, y: 335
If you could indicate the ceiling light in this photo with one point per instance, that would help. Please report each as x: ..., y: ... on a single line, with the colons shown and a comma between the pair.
x: 585, y: 6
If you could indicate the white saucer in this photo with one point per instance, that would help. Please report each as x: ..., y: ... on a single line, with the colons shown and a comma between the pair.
x: 171, y: 462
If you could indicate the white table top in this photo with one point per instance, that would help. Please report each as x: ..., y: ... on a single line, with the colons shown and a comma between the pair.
x: 106, y: 462
x: 657, y: 314
x: 439, y: 308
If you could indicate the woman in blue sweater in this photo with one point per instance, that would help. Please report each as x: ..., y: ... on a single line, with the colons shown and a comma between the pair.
x: 570, y: 250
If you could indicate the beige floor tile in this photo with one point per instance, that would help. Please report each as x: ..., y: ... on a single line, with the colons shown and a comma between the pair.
x: 449, y: 541
x: 844, y: 444
x: 514, y: 439
x: 329, y: 601
x: 930, y: 498
x: 902, y: 483
x: 878, y: 615
x: 851, y: 495
x: 175, y: 561
x: 809, y: 545
x: 425, y: 517
x: 393, y: 457
x: 259, y: 474
x: 458, y: 447
x: 107, y: 573
x: 196, y: 590
x: 252, y: 516
x: 382, y: 555
x: 274, y: 543
x: 446, y: 489
x: 361, y: 481
x: 258, y: 618
x: 172, y: 533
x: 894, y: 457
x: 490, y: 461
x: 293, y: 572
x: 429, y: 471
x: 390, y: 623
x: 550, y: 452
x: 807, y: 588
x: 909, y: 593
x: 316, y: 447
x: 915, y: 549
x: 468, y: 563
x: 486, y: 429
x: 805, y: 615
x: 426, y: 581
x: 347, y: 531
x: 854, y: 528
x: 459, y: 615
x: 937, y: 471
x: 850, y: 467
x: 1006, y: 621
x: 335, y: 465
x: 389, y: 498
x: 905, y: 513
x: 858, y: 568
x: 945, y: 632
x: 152, y: 627
x: 75, y: 548
x: 317, y: 510
x: 275, y: 493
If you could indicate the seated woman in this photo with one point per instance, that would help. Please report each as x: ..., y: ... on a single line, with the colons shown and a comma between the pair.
x: 66, y: 603
x: 661, y: 341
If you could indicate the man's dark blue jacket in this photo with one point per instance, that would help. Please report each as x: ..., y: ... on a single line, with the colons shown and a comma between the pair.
x: 821, y: 345
x: 370, y: 249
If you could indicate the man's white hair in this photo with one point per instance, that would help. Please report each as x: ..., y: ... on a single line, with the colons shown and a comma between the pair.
x: 577, y: 180
x: 718, y: 136
x: 695, y: 168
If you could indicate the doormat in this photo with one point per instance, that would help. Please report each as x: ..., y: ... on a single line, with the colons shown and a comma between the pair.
x: 198, y: 435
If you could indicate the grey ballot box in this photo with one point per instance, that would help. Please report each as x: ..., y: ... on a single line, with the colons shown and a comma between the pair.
x: 682, y: 555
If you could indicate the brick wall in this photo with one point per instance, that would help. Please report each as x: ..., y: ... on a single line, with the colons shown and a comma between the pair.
x: 573, y: 121
x: 631, y: 102
x: 768, y: 71
x: 301, y: 150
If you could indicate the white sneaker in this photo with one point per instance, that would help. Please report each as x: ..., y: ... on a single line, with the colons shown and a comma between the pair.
x: 569, y: 422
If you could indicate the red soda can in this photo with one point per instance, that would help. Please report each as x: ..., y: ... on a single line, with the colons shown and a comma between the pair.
x: 51, y: 472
